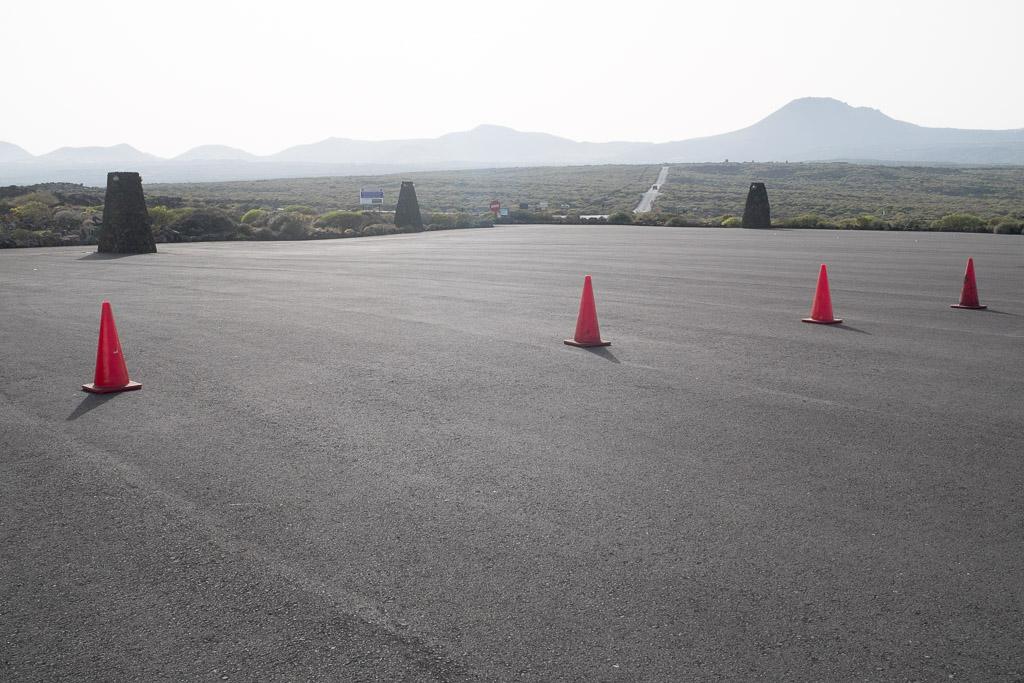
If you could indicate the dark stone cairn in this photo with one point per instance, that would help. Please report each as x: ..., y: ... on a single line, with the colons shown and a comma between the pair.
x: 126, y: 227
x: 758, y: 212
x: 407, y: 213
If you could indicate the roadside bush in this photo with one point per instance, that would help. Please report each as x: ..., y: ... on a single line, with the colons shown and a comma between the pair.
x: 1007, y: 227
x: 514, y: 216
x: 255, y: 217
x: 68, y: 219
x: 732, y: 222
x: 39, y: 197
x: 648, y: 218
x: 867, y: 222
x: 339, y: 219
x: 33, y: 213
x: 909, y: 224
x: 450, y: 221
x: 864, y: 222
x: 48, y: 238
x: 620, y: 218
x: 21, y: 237
x: 300, y: 208
x: 160, y: 216
x: 326, y: 233
x: 960, y: 222
x: 804, y: 220
x: 440, y: 221
x: 163, y: 219
x: 468, y: 220
x: 88, y: 229
x: 212, y: 224
x: 374, y: 229
x: 290, y: 226
x: 677, y: 222
x: 25, y: 238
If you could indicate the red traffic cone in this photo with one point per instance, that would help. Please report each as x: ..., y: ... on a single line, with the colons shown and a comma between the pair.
x: 111, y: 371
x: 969, y: 293
x: 587, y: 331
x: 821, y: 309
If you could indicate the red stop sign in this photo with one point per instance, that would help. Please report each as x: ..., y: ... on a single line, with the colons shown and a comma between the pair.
x: 495, y: 206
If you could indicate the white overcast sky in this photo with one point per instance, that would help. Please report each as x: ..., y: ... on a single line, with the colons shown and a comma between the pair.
x: 166, y: 76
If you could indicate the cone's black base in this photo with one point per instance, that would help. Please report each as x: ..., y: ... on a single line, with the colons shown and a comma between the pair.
x: 585, y: 345
x: 93, y: 389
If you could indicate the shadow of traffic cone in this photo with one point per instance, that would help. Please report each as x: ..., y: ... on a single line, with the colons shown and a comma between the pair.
x: 969, y: 293
x: 587, y: 331
x: 821, y: 309
x: 111, y: 371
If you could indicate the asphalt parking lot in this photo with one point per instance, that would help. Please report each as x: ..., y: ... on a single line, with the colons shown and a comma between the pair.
x: 374, y: 459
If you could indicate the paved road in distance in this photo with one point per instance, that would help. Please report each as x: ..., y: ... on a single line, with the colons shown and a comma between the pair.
x: 374, y: 459
x: 647, y: 201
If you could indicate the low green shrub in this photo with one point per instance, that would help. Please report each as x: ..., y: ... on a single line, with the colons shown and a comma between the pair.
x: 960, y: 222
x: 290, y: 225
x: 301, y: 209
x: 32, y: 213
x: 339, y: 219
x: 256, y: 217
x: 1008, y: 227
x: 804, y: 220
x: 204, y: 224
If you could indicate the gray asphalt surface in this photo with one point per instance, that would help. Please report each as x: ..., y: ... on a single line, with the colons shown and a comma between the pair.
x: 374, y: 459
x: 647, y: 201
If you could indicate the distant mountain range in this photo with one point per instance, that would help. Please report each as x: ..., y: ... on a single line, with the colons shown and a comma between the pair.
x: 809, y: 129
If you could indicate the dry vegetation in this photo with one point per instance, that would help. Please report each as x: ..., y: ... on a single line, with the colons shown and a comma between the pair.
x: 823, y: 195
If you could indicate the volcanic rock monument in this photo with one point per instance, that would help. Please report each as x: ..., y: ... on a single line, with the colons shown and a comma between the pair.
x: 758, y: 212
x: 407, y: 213
x: 126, y: 227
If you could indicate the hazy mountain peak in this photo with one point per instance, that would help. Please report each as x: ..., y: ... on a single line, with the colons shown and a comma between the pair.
x: 818, y: 103
x: 11, y: 152
x: 215, y: 153
x: 824, y: 129
x: 114, y: 154
x: 493, y: 128
x: 487, y: 131
x: 511, y: 142
x: 823, y: 110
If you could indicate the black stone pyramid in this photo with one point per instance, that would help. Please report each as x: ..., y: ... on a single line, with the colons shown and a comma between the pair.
x: 126, y: 227
x: 407, y: 213
x: 758, y: 212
